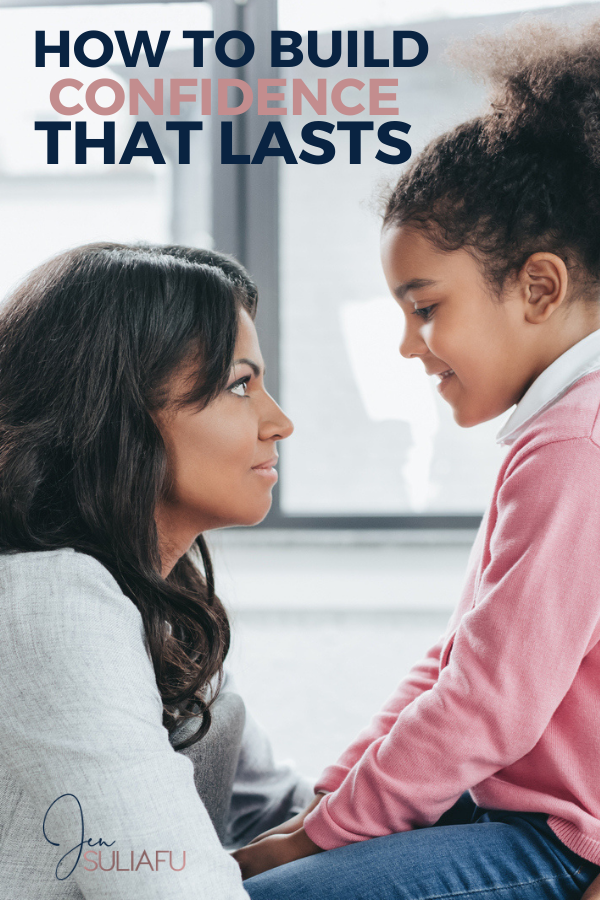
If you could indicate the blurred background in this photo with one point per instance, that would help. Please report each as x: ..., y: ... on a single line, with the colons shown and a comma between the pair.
x: 357, y: 568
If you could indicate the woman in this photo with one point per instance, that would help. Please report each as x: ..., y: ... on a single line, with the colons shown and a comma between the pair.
x: 133, y: 417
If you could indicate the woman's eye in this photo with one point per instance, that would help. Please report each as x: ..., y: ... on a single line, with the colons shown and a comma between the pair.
x: 240, y: 388
x: 425, y: 312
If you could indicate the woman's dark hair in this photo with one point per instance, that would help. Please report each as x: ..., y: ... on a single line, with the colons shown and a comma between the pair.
x: 525, y: 176
x: 88, y: 343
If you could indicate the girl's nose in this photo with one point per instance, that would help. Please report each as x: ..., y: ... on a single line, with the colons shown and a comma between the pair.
x: 412, y: 344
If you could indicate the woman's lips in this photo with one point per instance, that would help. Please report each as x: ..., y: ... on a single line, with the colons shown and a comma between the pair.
x: 267, y: 469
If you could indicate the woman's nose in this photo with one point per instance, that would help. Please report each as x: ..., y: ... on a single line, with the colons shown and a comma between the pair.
x: 276, y: 426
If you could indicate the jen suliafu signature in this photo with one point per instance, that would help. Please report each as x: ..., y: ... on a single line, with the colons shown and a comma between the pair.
x: 94, y: 857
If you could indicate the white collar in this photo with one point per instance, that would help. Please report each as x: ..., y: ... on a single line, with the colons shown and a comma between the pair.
x: 579, y: 360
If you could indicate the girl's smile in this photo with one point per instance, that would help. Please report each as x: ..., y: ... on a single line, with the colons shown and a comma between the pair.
x: 444, y: 377
x: 485, y: 349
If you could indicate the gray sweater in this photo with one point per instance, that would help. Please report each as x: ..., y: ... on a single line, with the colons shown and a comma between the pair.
x: 82, y: 741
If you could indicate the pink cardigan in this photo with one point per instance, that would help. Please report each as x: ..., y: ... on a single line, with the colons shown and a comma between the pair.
x: 507, y: 703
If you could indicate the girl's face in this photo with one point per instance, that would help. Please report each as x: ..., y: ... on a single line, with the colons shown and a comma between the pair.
x: 479, y: 347
x: 221, y: 458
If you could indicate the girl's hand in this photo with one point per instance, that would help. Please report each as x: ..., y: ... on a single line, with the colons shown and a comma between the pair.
x: 274, y: 851
x: 292, y: 824
x: 593, y: 892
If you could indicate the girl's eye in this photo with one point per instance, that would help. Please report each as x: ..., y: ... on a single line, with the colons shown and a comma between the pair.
x: 240, y: 387
x: 425, y: 312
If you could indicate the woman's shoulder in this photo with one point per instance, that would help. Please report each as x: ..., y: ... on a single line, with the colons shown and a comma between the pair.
x: 48, y: 563
x: 44, y: 591
x: 47, y: 568
x: 67, y: 623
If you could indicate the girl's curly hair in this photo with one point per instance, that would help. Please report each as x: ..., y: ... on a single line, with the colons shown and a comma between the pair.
x: 524, y: 176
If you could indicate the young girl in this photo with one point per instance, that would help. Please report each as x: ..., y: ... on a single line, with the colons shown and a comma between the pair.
x: 480, y: 776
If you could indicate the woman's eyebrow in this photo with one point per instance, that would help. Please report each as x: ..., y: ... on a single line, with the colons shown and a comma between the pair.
x: 248, y: 362
x: 413, y: 285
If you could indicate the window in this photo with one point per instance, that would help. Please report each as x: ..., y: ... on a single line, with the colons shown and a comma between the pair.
x: 48, y: 208
x: 374, y: 445
x: 373, y: 437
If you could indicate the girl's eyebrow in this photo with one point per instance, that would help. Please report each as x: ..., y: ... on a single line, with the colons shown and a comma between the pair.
x: 248, y: 362
x: 413, y: 285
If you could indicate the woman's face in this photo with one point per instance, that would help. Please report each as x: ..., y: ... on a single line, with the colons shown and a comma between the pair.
x: 221, y: 458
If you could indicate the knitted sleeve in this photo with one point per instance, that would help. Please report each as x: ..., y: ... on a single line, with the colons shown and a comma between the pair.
x: 82, y: 733
x: 511, y: 661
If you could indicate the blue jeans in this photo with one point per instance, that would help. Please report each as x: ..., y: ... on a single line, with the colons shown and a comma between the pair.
x: 470, y: 852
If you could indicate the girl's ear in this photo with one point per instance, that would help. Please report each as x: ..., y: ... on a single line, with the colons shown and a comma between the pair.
x: 544, y: 280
